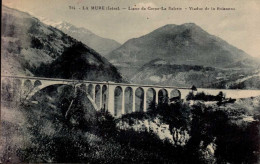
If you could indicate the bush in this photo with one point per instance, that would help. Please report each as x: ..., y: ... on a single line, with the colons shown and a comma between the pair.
x: 205, y: 97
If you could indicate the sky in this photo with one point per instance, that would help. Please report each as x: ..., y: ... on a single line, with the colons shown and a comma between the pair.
x: 239, y: 27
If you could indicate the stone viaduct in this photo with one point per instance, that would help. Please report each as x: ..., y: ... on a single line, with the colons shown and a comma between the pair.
x: 117, y: 98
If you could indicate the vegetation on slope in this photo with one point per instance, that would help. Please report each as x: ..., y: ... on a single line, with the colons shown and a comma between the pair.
x: 65, y: 128
x: 79, y: 62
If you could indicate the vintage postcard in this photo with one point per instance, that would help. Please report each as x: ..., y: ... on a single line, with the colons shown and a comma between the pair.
x: 130, y: 81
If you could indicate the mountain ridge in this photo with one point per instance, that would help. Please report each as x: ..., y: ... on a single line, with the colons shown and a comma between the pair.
x: 98, y: 43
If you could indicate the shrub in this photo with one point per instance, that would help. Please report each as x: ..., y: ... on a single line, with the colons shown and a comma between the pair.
x: 205, y: 97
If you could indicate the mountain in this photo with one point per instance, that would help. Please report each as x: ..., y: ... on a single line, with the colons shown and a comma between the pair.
x: 179, y: 44
x: 101, y: 45
x: 31, y: 48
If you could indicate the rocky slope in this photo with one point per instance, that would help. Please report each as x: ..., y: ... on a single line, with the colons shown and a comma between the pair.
x: 30, y: 48
x: 99, y: 44
x: 26, y: 42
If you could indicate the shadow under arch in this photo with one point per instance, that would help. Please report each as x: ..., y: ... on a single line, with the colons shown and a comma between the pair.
x: 163, y: 96
x: 128, y: 100
x: 98, y: 95
x: 82, y: 88
x: 139, y: 99
x: 6, y: 89
x: 118, y: 101
x: 17, y: 89
x: 37, y: 83
x: 104, y: 97
x: 90, y: 90
x: 27, y: 87
x: 175, y: 95
x: 150, y: 99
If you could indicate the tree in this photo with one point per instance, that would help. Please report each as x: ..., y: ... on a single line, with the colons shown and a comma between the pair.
x: 193, y: 88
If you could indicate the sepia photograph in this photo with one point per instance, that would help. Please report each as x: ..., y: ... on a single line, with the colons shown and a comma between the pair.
x: 130, y: 81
